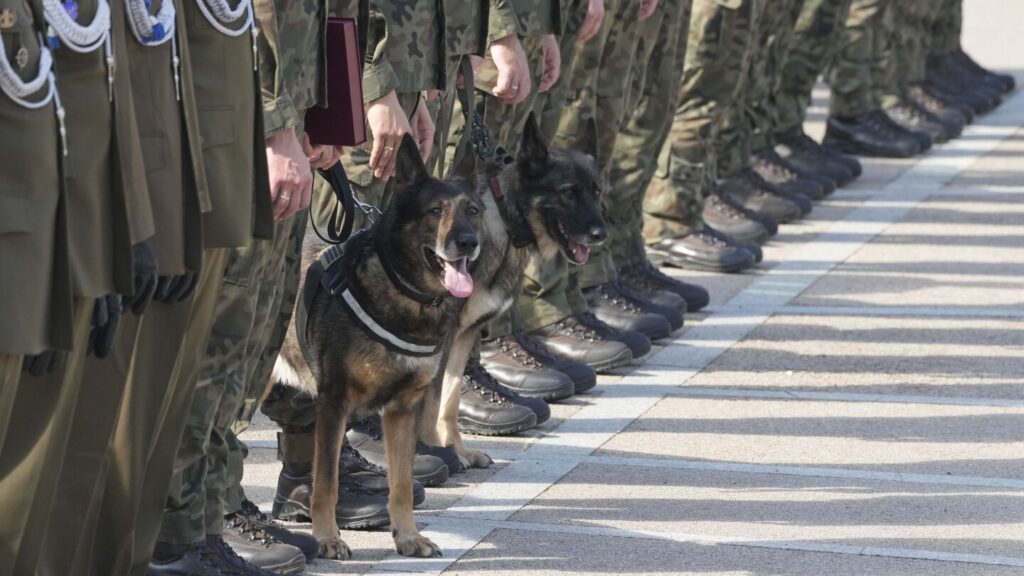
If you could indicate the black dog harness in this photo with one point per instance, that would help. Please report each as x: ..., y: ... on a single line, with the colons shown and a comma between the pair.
x: 332, y: 272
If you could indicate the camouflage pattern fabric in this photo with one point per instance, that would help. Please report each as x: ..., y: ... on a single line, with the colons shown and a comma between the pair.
x: 813, y: 45
x: 714, y: 66
x: 861, y: 58
x: 550, y: 104
x: 765, y: 78
x: 660, y: 53
x: 947, y: 26
x: 406, y: 47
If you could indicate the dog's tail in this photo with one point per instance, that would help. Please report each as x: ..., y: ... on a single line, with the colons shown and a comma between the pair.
x: 288, y: 375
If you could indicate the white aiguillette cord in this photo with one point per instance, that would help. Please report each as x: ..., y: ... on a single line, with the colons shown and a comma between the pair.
x: 152, y: 30
x: 220, y: 14
x: 81, y: 39
x: 18, y: 90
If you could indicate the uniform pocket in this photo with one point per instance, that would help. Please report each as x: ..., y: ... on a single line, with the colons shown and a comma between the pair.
x: 15, y: 212
x: 217, y: 126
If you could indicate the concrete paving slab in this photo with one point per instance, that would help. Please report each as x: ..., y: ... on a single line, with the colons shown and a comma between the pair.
x: 551, y: 554
x: 999, y: 167
x: 910, y: 438
x: 968, y: 357
x: 952, y: 519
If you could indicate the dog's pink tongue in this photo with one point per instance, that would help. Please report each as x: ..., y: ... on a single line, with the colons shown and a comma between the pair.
x: 580, y: 252
x: 457, y: 279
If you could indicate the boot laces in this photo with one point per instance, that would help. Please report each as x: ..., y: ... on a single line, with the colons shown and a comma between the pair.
x: 616, y: 298
x: 772, y: 163
x: 515, y: 349
x: 528, y: 344
x: 252, y: 530
x: 486, y: 387
x: 575, y: 329
x: 726, y: 209
x: 360, y: 460
x: 220, y: 555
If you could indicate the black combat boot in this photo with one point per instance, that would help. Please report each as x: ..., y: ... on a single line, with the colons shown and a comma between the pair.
x: 701, y: 250
x: 757, y: 195
x: 370, y: 477
x: 583, y: 377
x: 646, y: 274
x: 358, y: 508
x: 732, y: 218
x: 1004, y: 82
x: 216, y: 552
x: 775, y: 170
x: 805, y: 153
x: 571, y: 339
x: 622, y: 312
x: 367, y: 436
x: 870, y: 134
x: 487, y: 408
x: 172, y: 560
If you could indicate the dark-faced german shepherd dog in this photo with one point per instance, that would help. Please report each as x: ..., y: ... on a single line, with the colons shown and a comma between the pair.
x: 376, y: 339
x: 546, y: 200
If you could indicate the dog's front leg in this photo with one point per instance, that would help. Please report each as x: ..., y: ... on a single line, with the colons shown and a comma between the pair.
x: 451, y: 391
x: 400, y: 444
x: 331, y: 418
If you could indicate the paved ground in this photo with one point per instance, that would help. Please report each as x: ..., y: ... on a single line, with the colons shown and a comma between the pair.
x: 853, y: 407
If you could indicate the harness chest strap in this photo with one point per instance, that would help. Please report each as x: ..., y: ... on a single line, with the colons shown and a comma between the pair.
x: 330, y: 273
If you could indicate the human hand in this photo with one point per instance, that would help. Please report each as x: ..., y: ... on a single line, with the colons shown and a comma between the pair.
x: 388, y: 124
x: 291, y: 182
x: 320, y: 156
x: 44, y: 363
x: 513, y: 84
x: 592, y: 22
x: 423, y: 130
x: 106, y: 317
x: 144, y: 267
x: 552, y: 63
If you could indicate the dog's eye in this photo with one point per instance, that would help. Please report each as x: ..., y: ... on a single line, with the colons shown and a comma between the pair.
x: 472, y: 210
x: 436, y: 211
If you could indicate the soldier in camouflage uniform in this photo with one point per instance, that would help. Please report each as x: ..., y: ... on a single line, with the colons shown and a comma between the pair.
x: 813, y: 45
x: 659, y: 62
x: 714, y: 69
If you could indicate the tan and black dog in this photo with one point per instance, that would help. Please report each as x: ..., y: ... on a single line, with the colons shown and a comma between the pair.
x: 546, y: 200
x: 375, y: 330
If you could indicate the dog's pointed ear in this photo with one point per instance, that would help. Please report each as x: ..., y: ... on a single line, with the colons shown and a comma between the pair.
x: 533, y: 150
x: 409, y: 168
x: 588, y: 140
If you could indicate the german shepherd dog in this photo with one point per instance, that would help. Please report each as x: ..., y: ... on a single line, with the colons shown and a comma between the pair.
x: 553, y: 195
x: 430, y: 238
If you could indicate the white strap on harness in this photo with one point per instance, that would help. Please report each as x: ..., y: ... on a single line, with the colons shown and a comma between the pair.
x: 379, y: 330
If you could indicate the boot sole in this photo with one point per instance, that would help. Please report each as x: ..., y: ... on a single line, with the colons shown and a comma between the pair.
x: 467, y: 426
x: 296, y: 565
x: 624, y: 359
x: 292, y: 511
x: 687, y: 264
x: 862, y: 150
x: 435, y: 478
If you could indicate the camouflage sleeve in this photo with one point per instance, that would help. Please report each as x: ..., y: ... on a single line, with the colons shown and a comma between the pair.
x: 279, y: 112
x: 501, y: 21
x: 379, y: 77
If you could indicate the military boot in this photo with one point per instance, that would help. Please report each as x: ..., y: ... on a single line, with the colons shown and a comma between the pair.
x: 487, y: 408
x: 358, y: 508
x: 735, y: 220
x: 257, y: 547
x: 251, y: 519
x: 948, y: 75
x: 949, y: 115
x: 218, y: 553
x: 777, y: 171
x: 805, y: 153
x: 646, y: 274
x: 913, y: 119
x: 172, y: 560
x: 597, y: 347
x: 870, y: 134
x: 761, y: 198
x: 583, y: 377
x: 1004, y: 82
x: 522, y: 371
x: 701, y: 250
x: 621, y: 312
x: 355, y: 469
x: 367, y: 436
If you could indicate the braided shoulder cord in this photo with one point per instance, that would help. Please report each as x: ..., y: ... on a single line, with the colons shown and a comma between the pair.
x: 220, y: 14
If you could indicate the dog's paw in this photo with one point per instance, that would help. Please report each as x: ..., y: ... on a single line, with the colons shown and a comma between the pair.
x: 417, y: 546
x: 334, y: 549
x: 471, y: 458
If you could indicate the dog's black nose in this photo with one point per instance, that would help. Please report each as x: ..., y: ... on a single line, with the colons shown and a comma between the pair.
x: 598, y: 234
x: 466, y: 242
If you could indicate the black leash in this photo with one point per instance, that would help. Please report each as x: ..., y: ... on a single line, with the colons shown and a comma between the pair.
x: 347, y: 202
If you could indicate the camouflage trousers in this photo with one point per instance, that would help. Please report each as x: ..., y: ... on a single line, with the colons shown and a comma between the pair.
x: 660, y: 52
x: 257, y: 295
x: 946, y: 26
x: 293, y: 410
x: 713, y: 71
x: 813, y: 45
x: 764, y: 80
x: 863, y: 61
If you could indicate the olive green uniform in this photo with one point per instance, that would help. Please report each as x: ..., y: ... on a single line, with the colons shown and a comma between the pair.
x: 108, y: 210
x: 860, y: 61
x: 714, y: 69
x: 32, y: 236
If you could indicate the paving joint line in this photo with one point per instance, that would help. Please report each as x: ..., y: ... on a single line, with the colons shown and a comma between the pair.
x: 815, y: 396
x: 514, y: 486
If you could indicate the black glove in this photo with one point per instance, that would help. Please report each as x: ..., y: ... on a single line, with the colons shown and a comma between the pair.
x: 106, y: 315
x: 47, y: 362
x: 144, y: 265
x: 176, y: 288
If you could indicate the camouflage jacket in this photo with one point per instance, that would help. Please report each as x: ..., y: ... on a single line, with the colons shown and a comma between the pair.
x: 406, y: 47
x: 533, y: 18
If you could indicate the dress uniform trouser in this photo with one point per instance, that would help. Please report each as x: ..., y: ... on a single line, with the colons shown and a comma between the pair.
x: 32, y: 455
x: 10, y: 373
